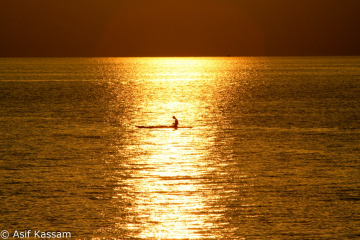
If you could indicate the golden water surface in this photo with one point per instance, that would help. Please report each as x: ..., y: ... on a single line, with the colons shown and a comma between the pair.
x: 273, y: 152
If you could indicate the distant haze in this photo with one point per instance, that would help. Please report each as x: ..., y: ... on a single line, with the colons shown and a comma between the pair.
x: 116, y: 28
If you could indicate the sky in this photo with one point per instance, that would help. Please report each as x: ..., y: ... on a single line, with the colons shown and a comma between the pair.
x: 140, y: 28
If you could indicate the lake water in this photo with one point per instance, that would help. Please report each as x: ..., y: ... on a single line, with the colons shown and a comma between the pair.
x: 274, y: 152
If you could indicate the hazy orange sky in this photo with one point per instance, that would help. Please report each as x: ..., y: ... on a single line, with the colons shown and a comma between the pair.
x: 115, y: 28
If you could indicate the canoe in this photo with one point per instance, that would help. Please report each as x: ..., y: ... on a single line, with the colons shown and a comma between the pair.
x: 160, y: 127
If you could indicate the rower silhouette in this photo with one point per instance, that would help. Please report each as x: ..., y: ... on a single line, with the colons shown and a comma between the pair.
x: 176, y: 123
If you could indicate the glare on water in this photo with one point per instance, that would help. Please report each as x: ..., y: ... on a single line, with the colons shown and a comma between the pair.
x: 172, y: 166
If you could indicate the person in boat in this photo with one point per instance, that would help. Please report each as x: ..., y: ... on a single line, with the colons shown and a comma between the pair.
x: 176, y: 123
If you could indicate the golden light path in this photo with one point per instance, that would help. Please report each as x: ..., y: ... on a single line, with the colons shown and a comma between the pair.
x: 170, y: 196
x: 169, y: 200
x: 168, y: 170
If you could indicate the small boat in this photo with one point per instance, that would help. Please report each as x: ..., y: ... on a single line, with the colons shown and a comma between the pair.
x: 160, y: 127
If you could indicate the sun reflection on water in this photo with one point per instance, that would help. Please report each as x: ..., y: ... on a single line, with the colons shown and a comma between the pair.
x: 167, y: 174
x: 168, y: 200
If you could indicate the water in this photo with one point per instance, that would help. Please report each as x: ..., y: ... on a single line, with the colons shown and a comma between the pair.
x: 274, y: 152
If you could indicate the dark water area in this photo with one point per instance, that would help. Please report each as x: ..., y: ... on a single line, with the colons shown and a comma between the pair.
x: 274, y: 152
